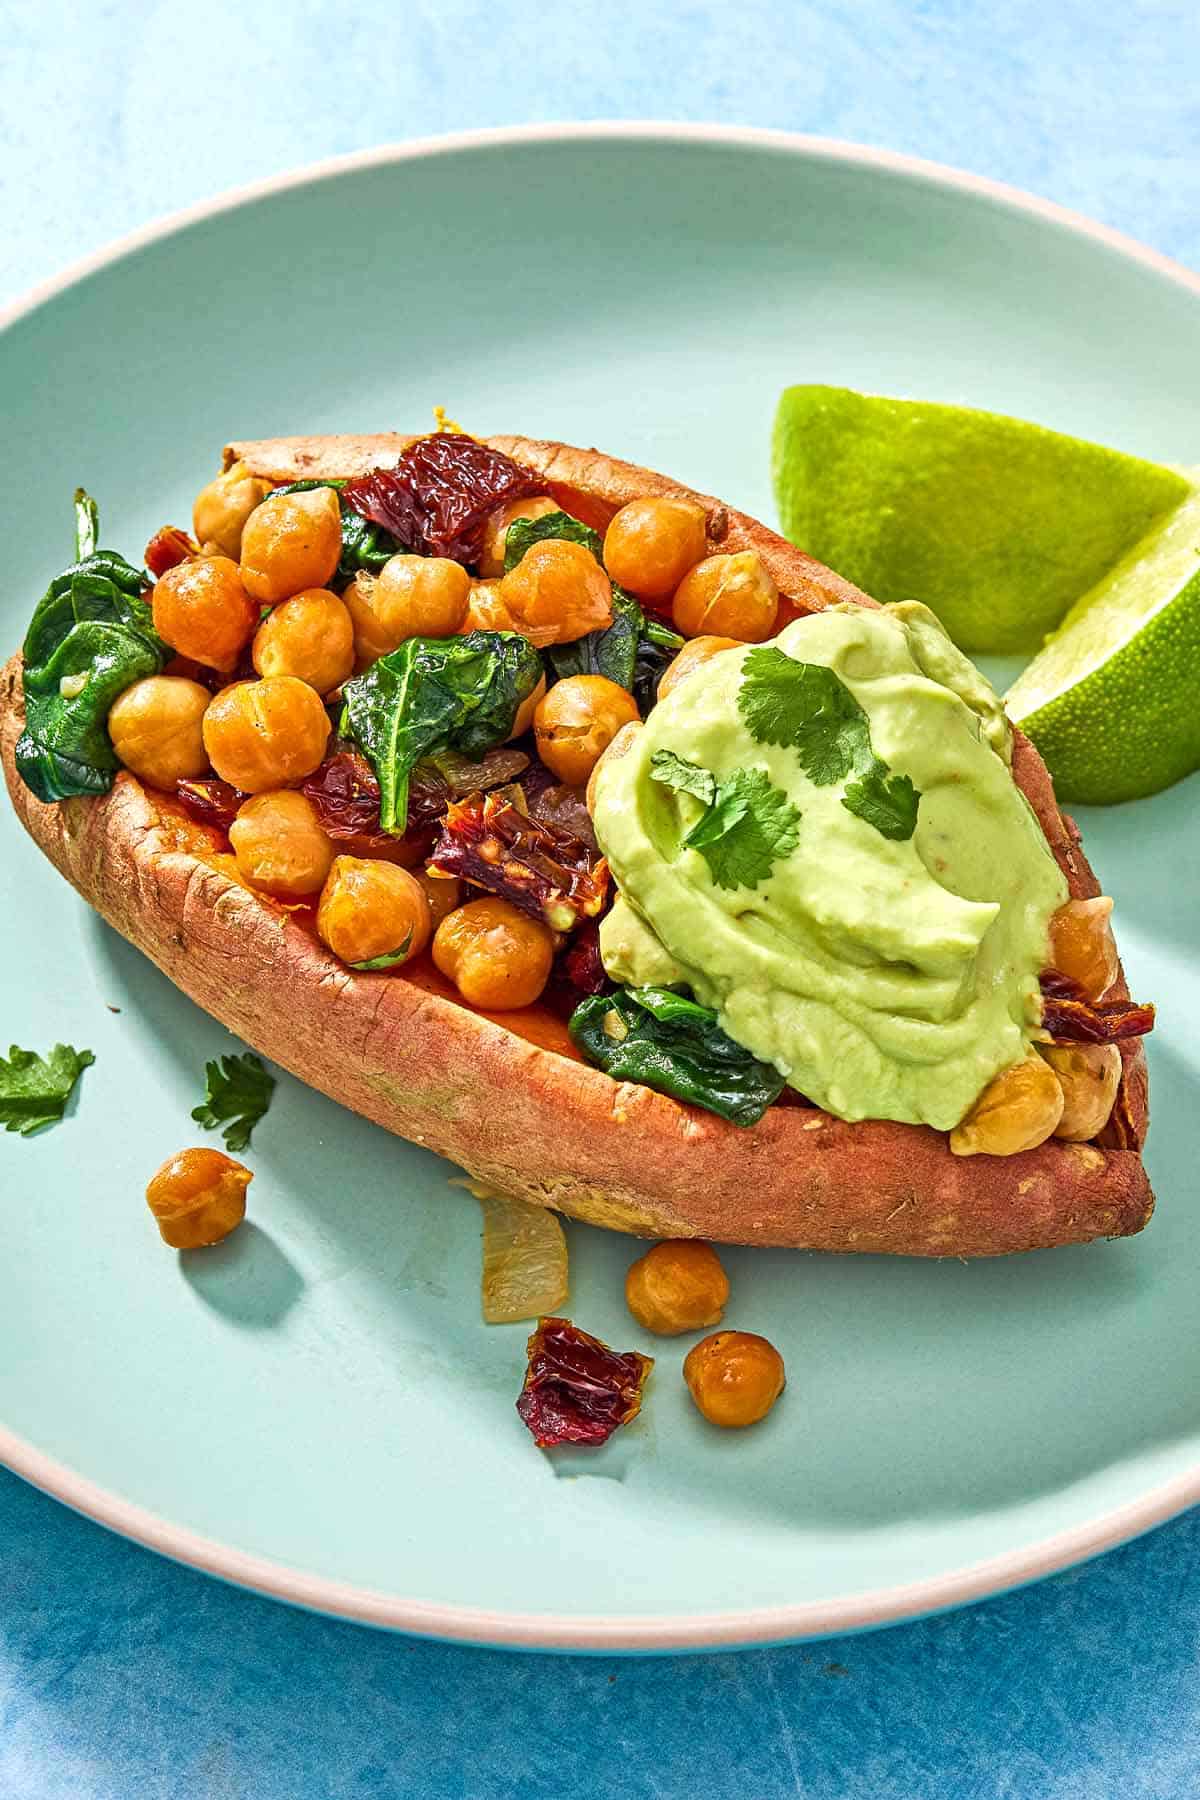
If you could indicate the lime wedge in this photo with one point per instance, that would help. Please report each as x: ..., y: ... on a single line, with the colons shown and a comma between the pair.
x: 996, y: 524
x: 1111, y: 700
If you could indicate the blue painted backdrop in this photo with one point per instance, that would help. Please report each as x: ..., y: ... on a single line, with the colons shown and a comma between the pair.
x: 124, y: 1678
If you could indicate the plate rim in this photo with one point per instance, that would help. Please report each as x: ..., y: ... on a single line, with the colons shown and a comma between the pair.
x: 738, y: 1628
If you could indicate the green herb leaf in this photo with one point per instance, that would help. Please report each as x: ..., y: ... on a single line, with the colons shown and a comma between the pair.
x: 91, y: 636
x: 238, y: 1090
x: 670, y: 1043
x: 87, y: 524
x: 524, y: 532
x: 888, y: 802
x: 390, y: 958
x: 435, y: 694
x: 807, y: 708
x: 685, y: 777
x: 34, y: 1090
x: 365, y: 545
x: 749, y: 826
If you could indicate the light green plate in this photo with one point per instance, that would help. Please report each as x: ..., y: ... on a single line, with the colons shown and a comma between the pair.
x: 315, y: 1408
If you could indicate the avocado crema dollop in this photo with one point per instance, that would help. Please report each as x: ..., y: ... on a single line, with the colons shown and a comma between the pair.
x: 884, y: 979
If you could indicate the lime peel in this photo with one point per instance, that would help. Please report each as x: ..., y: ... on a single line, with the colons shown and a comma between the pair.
x: 1110, y: 699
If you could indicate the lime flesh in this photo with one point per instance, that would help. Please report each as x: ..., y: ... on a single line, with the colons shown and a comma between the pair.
x: 1111, y: 700
x: 996, y: 524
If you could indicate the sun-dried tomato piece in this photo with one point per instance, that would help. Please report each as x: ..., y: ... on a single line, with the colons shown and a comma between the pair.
x: 210, y: 802
x: 577, y: 1390
x: 437, y: 498
x: 1071, y: 1018
x: 488, y: 839
x: 168, y: 547
x: 345, y: 794
x: 578, y: 972
x: 562, y: 808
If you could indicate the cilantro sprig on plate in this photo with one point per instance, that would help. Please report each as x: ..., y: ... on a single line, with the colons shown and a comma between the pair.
x: 238, y: 1094
x: 808, y: 709
x: 34, y: 1090
x: 747, y: 823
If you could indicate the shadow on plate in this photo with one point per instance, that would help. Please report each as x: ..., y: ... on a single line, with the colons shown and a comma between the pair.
x: 248, y: 1278
x: 915, y: 1389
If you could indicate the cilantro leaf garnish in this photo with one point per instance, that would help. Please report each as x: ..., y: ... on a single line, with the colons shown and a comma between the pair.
x: 888, y: 802
x: 748, y: 827
x: 34, y: 1090
x: 687, y: 777
x: 747, y: 824
x: 807, y: 708
x: 238, y: 1090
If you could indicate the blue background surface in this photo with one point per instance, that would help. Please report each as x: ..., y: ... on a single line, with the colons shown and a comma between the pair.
x: 123, y: 1677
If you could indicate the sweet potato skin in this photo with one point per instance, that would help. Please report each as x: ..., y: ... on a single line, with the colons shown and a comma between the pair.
x: 523, y: 1118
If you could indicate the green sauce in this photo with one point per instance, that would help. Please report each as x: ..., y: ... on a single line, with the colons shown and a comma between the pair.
x: 883, y: 979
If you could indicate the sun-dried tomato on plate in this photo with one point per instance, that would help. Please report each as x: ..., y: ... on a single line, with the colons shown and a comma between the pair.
x: 577, y: 1390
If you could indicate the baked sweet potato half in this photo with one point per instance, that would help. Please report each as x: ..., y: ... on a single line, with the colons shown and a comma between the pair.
x: 506, y: 1095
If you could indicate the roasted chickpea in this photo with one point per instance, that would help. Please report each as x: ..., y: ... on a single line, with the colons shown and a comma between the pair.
x: 412, y: 596
x: 222, y: 508
x: 527, y: 712
x: 577, y: 721
x: 279, y: 844
x: 291, y: 542
x: 1082, y: 946
x: 198, y: 1197
x: 155, y: 727
x: 677, y: 1286
x: 651, y: 544
x: 733, y: 596
x: 558, y: 592
x: 734, y: 1377
x: 491, y: 561
x: 624, y: 741
x: 1089, y: 1075
x: 265, y: 734
x: 1017, y: 1110
x: 309, y: 636
x: 497, y: 957
x: 373, y: 914
x: 692, y: 657
x: 486, y: 611
x: 443, y: 892
x: 202, y: 610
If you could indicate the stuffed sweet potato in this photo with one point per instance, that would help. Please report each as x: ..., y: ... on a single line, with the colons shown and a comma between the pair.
x: 485, y: 1034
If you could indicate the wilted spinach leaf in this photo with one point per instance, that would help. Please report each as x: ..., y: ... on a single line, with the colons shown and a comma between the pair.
x: 365, y: 545
x: 670, y: 1043
x: 433, y: 694
x: 524, y: 532
x: 91, y: 636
